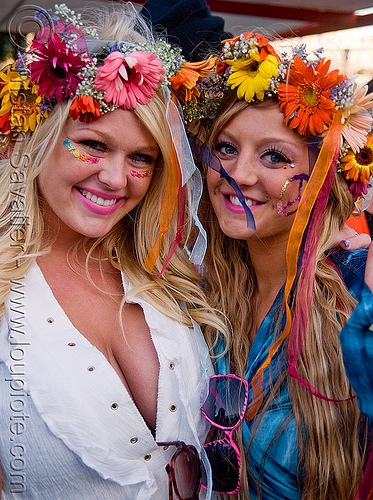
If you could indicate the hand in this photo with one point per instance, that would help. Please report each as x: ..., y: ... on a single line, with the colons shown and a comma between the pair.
x: 349, y: 239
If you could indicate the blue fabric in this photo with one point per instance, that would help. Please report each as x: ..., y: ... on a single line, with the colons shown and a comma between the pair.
x: 357, y: 348
x: 273, y: 455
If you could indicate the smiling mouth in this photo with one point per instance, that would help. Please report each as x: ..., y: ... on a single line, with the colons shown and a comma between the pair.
x: 235, y: 201
x: 97, y: 199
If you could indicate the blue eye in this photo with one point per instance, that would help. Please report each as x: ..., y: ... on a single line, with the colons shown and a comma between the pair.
x: 225, y: 148
x: 275, y: 158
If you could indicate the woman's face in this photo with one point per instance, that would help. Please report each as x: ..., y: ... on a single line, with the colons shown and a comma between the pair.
x: 262, y: 155
x: 88, y: 199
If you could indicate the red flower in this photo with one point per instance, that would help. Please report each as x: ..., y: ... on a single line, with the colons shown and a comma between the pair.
x: 5, y: 123
x: 304, y: 99
x: 85, y: 108
x: 55, y: 69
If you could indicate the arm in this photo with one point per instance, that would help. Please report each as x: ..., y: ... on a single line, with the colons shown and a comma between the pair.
x: 357, y: 345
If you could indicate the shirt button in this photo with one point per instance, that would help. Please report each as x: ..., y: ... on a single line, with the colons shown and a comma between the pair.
x: 133, y: 440
x: 50, y: 320
x: 114, y: 406
x: 71, y: 344
x: 171, y: 366
x: 91, y: 368
x: 147, y: 457
x: 173, y: 408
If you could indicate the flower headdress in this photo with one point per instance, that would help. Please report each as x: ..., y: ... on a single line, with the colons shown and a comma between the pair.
x: 67, y: 61
x: 315, y: 101
x: 309, y: 93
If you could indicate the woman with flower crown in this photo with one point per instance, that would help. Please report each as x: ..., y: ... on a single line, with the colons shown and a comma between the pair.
x: 101, y: 358
x: 295, y: 136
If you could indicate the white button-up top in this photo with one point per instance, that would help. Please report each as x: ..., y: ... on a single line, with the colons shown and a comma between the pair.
x: 68, y: 428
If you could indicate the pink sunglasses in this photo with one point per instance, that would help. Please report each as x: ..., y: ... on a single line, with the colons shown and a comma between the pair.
x: 224, y: 407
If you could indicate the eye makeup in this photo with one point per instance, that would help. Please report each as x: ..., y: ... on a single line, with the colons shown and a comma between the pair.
x: 74, y: 151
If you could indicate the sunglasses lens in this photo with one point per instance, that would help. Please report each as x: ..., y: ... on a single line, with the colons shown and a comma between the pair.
x: 225, y: 401
x: 224, y: 465
x: 187, y: 470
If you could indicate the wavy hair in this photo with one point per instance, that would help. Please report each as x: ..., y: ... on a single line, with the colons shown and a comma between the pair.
x: 332, y: 448
x: 128, y: 243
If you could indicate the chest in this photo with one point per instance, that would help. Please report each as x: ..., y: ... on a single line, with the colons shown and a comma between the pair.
x: 119, y: 332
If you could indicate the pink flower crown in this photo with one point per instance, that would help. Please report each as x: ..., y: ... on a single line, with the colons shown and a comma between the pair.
x: 66, y: 61
x: 309, y: 94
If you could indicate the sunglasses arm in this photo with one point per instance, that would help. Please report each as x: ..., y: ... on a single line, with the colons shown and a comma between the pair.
x: 207, y: 466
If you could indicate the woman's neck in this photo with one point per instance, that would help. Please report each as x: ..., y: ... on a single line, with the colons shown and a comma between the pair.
x: 269, y: 263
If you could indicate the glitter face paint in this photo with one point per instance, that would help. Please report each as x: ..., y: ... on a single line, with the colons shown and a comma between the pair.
x: 142, y: 175
x: 78, y: 154
x: 280, y: 206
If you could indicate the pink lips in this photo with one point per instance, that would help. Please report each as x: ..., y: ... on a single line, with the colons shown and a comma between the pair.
x: 99, y: 209
x: 236, y: 209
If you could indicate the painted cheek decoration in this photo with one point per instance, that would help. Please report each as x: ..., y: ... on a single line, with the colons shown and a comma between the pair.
x: 280, y: 207
x: 78, y: 154
x: 141, y: 175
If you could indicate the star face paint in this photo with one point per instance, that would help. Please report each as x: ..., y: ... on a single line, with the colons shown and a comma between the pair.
x: 78, y: 154
x: 142, y: 175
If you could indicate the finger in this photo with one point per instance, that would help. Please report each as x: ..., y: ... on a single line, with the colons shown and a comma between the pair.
x: 369, y: 268
x: 356, y: 241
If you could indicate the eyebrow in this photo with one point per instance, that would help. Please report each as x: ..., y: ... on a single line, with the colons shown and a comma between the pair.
x: 285, y: 141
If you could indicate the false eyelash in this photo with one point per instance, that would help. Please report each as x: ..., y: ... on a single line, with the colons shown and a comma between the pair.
x: 278, y: 151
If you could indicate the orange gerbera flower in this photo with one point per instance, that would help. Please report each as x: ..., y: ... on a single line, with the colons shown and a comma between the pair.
x: 359, y: 166
x: 304, y: 99
x: 85, y: 108
x: 185, y: 81
x: 263, y: 44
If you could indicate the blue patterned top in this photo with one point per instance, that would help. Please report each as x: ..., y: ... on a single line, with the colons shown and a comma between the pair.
x: 273, y: 455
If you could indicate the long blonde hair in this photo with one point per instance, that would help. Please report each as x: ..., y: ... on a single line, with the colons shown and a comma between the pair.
x: 128, y: 243
x: 331, y: 455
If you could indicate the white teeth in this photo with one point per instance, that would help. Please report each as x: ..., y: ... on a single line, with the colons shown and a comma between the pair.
x: 96, y: 199
x: 235, y: 201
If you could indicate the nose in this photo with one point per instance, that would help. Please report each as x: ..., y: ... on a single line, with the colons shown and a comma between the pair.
x: 244, y: 170
x: 113, y: 173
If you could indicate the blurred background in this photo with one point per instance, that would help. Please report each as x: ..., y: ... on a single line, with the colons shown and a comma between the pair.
x: 343, y: 27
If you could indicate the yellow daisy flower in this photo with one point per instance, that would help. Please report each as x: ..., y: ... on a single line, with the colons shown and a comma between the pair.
x: 252, y: 76
x: 359, y: 166
x: 20, y: 99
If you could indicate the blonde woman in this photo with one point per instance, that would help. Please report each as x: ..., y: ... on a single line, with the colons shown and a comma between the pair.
x: 294, y: 136
x: 101, y: 356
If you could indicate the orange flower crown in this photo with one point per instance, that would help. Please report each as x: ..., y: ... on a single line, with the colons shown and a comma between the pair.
x: 310, y: 95
x: 67, y: 61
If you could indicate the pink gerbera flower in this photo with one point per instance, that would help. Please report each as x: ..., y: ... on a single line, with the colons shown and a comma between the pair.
x: 128, y: 80
x: 357, y: 120
x: 55, y: 69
